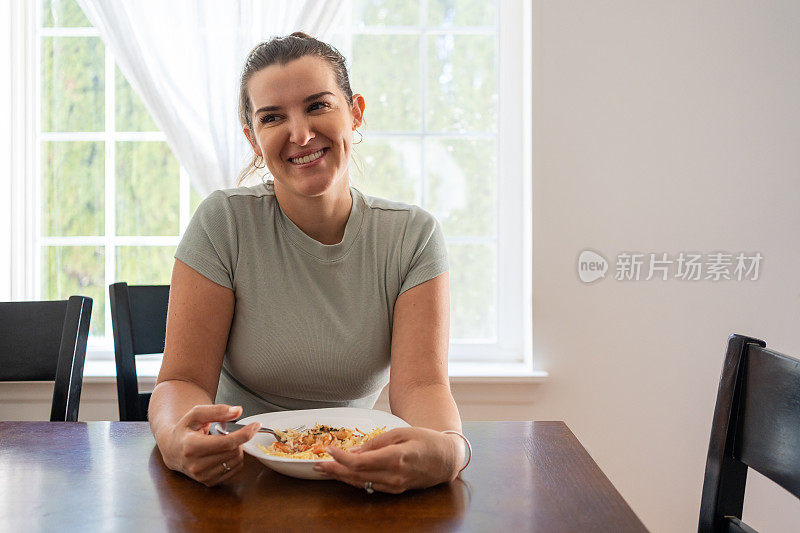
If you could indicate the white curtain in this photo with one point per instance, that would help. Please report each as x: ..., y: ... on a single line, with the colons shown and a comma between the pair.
x: 184, y: 58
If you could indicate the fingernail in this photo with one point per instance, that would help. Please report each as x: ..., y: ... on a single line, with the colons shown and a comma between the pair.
x: 318, y: 468
x: 233, y: 410
x: 355, y: 449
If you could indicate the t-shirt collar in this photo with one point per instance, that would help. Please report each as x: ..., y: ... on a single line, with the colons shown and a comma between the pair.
x: 324, y: 252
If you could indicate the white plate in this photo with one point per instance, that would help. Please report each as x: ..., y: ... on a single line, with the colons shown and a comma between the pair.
x: 364, y: 419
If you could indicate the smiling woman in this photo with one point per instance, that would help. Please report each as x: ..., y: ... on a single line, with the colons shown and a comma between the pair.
x: 302, y: 128
x: 302, y: 292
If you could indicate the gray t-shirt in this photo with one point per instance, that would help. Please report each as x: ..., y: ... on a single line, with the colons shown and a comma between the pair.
x: 312, y: 323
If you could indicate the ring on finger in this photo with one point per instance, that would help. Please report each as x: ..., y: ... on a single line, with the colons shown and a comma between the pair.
x: 368, y: 487
x: 226, y: 467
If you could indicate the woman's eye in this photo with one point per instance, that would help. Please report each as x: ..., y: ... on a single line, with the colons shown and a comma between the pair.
x: 268, y: 118
x: 317, y: 106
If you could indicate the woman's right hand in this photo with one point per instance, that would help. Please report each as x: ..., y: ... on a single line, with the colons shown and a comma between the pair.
x: 209, y: 459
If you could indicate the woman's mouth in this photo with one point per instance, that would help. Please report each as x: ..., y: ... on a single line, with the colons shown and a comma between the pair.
x: 308, y: 158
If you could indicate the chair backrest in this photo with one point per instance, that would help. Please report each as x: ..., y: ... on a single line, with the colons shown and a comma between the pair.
x: 756, y: 425
x: 46, y: 341
x: 139, y: 322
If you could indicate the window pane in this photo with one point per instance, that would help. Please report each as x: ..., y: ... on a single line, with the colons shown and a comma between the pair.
x: 148, y: 189
x: 461, y: 13
x: 63, y: 13
x: 131, y: 115
x: 472, y: 282
x: 72, y: 189
x: 461, y: 185
x: 72, y: 84
x: 461, y: 83
x: 390, y: 168
x: 145, y: 265
x: 386, y: 72
x: 385, y: 13
x: 76, y: 270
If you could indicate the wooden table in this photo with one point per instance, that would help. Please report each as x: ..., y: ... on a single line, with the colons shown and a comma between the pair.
x: 109, y: 476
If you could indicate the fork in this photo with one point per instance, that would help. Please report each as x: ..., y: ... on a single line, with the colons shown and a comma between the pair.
x: 224, y: 428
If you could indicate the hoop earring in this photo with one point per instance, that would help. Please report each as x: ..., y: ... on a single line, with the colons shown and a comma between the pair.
x: 360, y: 137
x: 262, y: 160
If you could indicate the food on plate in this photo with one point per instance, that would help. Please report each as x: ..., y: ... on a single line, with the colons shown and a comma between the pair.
x: 311, y: 443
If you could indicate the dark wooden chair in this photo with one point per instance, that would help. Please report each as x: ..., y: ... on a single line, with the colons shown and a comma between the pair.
x: 46, y: 341
x: 756, y: 425
x: 139, y: 321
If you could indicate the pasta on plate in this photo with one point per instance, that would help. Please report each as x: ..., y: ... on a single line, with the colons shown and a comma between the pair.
x: 311, y: 443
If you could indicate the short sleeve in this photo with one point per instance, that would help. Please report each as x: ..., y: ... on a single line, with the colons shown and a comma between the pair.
x: 424, y: 252
x: 210, y: 244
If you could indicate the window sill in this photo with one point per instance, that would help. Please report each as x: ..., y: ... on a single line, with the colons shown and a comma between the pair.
x: 104, y: 371
x: 485, y: 372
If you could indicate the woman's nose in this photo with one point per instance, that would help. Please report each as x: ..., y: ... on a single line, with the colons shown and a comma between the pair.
x: 300, y: 131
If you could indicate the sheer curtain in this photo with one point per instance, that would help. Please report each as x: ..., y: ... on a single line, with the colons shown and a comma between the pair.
x: 184, y: 58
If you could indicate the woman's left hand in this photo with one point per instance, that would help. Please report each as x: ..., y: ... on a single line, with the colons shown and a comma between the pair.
x: 398, y: 460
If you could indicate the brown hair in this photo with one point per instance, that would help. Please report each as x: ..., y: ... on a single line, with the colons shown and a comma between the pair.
x: 282, y: 50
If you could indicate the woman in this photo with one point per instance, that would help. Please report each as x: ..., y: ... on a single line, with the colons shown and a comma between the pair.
x: 304, y: 293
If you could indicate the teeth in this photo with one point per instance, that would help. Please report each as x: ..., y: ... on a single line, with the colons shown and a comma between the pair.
x: 308, y: 158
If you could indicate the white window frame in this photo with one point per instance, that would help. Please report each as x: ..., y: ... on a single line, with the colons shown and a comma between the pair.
x: 20, y: 142
x: 513, y: 302
x: 19, y: 277
x: 98, y: 347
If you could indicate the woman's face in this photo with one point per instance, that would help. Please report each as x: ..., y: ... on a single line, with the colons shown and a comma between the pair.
x: 303, y: 125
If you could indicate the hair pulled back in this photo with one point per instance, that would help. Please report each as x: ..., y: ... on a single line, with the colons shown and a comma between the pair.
x: 282, y: 50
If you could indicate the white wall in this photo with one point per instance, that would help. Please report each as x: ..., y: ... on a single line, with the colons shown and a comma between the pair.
x: 662, y: 127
